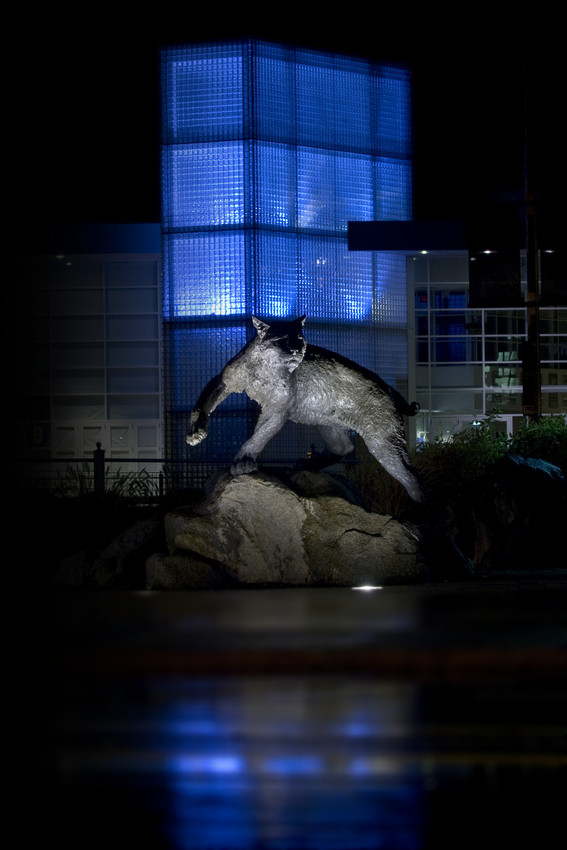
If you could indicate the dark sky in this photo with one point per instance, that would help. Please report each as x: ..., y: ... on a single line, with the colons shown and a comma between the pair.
x: 84, y: 105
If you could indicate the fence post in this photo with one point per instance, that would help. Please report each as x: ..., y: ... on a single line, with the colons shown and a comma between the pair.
x: 98, y: 455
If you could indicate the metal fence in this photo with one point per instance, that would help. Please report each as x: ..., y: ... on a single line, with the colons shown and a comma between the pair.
x: 146, y: 480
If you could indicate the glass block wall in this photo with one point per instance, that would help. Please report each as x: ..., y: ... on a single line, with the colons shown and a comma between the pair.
x: 267, y: 153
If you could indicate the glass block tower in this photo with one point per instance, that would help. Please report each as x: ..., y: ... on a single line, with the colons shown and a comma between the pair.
x: 267, y: 152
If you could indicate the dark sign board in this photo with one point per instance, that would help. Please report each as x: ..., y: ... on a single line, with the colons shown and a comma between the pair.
x: 553, y: 278
x: 494, y: 279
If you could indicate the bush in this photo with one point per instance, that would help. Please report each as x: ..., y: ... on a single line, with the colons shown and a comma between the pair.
x: 448, y: 468
x: 545, y: 440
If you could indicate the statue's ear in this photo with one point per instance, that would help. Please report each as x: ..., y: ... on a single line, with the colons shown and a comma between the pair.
x: 260, y: 326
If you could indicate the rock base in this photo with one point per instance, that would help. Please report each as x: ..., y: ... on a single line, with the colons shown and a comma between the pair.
x: 259, y: 530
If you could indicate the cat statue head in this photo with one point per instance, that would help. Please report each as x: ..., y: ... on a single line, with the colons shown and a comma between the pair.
x: 285, y: 336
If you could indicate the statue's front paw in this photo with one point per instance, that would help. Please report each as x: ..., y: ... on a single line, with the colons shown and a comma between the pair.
x: 196, y: 437
x: 244, y: 466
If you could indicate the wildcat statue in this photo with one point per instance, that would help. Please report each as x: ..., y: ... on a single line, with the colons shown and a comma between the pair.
x: 310, y: 385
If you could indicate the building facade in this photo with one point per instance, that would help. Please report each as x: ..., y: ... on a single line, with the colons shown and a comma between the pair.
x: 267, y: 153
x: 466, y: 361
x: 85, y: 321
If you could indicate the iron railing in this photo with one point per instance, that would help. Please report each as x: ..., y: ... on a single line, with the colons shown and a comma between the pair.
x: 142, y: 479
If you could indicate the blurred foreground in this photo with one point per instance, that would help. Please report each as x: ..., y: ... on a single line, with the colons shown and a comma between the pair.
x: 405, y: 717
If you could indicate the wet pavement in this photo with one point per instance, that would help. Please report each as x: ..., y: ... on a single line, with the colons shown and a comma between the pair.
x: 403, y: 717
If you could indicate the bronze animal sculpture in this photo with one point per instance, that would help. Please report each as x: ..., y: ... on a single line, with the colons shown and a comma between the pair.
x: 310, y: 385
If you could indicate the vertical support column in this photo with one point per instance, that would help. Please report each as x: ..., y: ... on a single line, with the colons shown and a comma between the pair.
x: 531, y: 368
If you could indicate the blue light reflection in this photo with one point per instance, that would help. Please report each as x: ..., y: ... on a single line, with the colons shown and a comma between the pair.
x: 290, y: 763
x: 218, y: 763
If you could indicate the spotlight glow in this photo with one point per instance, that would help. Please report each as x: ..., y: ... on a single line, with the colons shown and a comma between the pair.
x: 368, y: 587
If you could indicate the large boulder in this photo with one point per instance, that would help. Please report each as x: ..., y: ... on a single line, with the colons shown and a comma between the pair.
x: 259, y: 530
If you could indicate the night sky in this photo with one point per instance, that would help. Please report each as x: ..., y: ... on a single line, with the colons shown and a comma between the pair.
x: 83, y: 102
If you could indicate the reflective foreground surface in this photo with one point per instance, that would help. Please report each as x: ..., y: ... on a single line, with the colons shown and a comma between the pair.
x: 423, y: 717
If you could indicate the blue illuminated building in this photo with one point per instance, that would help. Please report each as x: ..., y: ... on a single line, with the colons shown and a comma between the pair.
x: 267, y: 152
x: 273, y: 159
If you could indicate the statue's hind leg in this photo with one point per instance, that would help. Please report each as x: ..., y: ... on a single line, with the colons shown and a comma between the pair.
x: 395, y: 461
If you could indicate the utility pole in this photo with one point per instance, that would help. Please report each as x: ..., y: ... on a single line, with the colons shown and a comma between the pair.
x: 531, y: 360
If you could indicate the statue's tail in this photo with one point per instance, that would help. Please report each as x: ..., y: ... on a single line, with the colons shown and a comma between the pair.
x: 408, y: 408
x: 405, y: 408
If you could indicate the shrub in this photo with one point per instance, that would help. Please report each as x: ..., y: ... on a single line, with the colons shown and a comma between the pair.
x: 448, y: 468
x: 545, y: 440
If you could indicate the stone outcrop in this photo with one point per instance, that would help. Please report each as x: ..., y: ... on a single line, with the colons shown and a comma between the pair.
x: 311, y: 529
x: 259, y: 530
